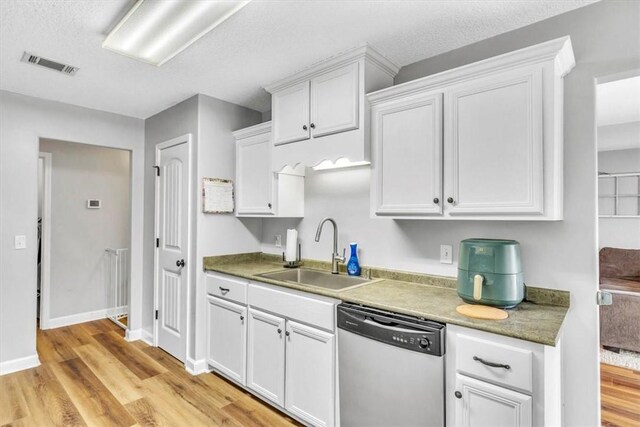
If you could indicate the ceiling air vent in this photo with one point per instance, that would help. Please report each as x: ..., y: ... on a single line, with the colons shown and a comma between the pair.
x: 47, y: 63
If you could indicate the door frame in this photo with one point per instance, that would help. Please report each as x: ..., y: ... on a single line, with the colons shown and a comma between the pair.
x: 45, y: 242
x: 186, y: 138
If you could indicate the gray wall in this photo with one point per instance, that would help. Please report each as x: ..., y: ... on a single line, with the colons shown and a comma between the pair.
x: 171, y: 123
x: 620, y: 232
x: 210, y: 121
x: 219, y: 233
x: 79, y: 235
x: 562, y: 255
x: 23, y: 121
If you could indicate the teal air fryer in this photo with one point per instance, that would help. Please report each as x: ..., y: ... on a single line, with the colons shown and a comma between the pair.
x: 490, y: 272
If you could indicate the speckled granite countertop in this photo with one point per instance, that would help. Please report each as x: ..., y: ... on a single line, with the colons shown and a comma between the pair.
x: 537, y: 319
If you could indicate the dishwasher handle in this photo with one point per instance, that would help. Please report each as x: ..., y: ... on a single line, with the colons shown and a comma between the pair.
x: 392, y: 326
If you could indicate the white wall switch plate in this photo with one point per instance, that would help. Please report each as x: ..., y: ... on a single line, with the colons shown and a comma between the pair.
x: 278, y: 240
x: 20, y: 242
x: 446, y: 254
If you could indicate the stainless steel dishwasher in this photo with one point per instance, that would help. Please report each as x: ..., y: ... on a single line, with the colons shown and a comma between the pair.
x: 391, y: 369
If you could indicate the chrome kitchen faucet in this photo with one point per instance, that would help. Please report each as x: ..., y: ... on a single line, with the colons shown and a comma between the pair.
x: 335, y: 256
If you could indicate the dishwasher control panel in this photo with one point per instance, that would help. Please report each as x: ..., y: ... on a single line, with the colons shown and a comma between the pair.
x: 407, y: 332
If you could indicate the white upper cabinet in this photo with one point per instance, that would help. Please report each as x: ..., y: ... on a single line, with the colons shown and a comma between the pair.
x: 408, y: 156
x: 321, y: 113
x: 259, y: 191
x: 494, y: 146
x: 334, y: 101
x: 483, y: 141
x: 291, y: 106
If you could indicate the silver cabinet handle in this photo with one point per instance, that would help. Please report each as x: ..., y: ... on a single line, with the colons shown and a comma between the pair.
x: 491, y: 364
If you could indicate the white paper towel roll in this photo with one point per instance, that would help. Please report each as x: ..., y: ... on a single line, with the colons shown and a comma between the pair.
x: 291, y: 251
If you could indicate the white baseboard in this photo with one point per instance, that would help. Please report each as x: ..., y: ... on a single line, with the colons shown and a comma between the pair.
x: 139, y: 334
x: 196, y: 367
x: 147, y: 337
x: 20, y: 364
x: 59, y: 322
x: 133, y: 335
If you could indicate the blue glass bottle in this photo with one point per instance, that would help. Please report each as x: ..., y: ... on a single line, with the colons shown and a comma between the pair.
x: 353, y: 266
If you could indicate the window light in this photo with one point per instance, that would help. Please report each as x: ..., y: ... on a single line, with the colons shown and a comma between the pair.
x: 154, y: 31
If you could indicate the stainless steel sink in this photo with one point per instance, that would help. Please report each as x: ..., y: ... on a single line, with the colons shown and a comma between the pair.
x: 321, y: 279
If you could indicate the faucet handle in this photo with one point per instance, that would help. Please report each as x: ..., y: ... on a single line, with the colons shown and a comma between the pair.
x: 342, y: 258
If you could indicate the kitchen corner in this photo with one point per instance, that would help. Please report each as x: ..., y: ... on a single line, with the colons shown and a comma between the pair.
x: 538, y: 319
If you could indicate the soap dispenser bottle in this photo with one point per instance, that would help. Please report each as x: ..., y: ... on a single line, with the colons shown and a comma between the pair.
x: 353, y: 266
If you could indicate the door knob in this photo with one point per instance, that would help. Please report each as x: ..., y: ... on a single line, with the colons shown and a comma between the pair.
x: 458, y: 394
x: 180, y: 263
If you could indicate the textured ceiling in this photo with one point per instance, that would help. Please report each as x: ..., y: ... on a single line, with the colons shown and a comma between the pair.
x: 265, y: 41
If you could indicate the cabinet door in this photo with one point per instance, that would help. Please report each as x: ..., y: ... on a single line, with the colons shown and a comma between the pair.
x: 493, y: 146
x: 334, y: 101
x: 254, y: 178
x: 265, y: 355
x: 407, y: 138
x: 291, y: 114
x: 483, y: 404
x: 310, y: 379
x: 226, y: 337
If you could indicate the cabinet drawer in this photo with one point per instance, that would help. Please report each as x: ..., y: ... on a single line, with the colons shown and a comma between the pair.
x: 230, y: 288
x: 295, y: 305
x: 474, y: 356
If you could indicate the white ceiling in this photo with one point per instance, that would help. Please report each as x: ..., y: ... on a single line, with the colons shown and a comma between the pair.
x: 619, y: 102
x: 265, y: 41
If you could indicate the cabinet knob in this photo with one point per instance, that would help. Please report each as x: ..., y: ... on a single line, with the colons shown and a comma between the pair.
x: 436, y: 200
x: 279, y: 331
x: 241, y: 317
x: 312, y: 126
x: 287, y: 333
x: 269, y: 204
x: 458, y: 394
x: 450, y: 200
x: 304, y: 127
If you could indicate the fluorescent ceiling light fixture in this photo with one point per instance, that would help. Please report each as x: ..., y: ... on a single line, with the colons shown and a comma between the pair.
x: 341, y: 163
x: 154, y: 31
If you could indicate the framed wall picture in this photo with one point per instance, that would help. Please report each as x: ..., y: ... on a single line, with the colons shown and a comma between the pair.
x: 217, y: 195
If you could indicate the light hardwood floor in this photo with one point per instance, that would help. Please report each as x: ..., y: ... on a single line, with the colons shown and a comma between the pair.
x: 91, y: 376
x: 620, y: 394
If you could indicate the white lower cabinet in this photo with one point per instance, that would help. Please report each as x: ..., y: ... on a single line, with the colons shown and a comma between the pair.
x: 226, y: 337
x: 265, y: 355
x: 484, y: 404
x: 495, y: 381
x: 310, y: 379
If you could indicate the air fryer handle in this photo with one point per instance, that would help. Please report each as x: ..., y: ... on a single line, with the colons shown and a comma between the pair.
x: 477, y: 287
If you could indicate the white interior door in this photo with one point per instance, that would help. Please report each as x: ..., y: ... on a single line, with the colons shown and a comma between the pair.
x: 172, y: 253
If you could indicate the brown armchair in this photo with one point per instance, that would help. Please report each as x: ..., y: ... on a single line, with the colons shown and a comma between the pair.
x: 620, y: 275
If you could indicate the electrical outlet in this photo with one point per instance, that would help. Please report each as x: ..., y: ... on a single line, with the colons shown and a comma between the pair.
x: 278, y: 240
x: 446, y: 254
x: 20, y: 242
